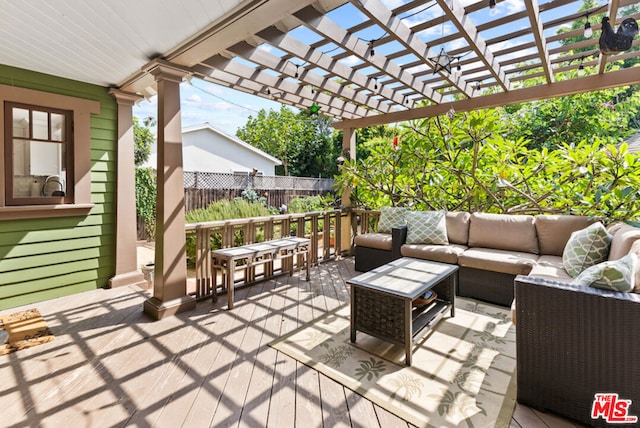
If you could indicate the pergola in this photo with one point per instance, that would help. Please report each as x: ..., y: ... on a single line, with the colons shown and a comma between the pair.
x: 361, y: 62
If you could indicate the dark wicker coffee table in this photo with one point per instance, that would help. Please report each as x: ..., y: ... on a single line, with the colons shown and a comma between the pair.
x: 381, y: 299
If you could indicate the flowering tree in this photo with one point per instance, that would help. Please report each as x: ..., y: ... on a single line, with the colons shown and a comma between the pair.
x: 465, y: 163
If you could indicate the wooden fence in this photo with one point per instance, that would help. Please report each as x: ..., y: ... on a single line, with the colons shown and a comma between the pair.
x: 203, y: 188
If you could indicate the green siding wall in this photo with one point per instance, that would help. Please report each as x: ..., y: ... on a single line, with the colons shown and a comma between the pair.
x: 42, y: 259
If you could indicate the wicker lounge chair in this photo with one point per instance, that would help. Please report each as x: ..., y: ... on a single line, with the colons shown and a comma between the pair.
x: 574, y: 342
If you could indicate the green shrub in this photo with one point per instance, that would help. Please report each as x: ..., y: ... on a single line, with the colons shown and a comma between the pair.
x: 224, y: 210
x: 305, y: 204
x: 146, y: 199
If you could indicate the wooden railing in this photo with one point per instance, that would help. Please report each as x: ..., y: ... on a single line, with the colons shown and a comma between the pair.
x: 364, y: 221
x: 322, y: 228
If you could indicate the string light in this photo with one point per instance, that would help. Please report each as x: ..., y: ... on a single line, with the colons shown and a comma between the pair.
x: 451, y: 113
x: 492, y: 4
x: 588, y: 31
x: 372, y: 52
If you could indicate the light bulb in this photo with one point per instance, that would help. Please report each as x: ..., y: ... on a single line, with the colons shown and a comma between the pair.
x: 492, y: 4
x: 588, y: 31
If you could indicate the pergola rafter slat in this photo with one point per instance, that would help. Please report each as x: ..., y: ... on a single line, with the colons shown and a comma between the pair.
x: 355, y: 46
x: 456, y: 14
x: 384, y: 18
x: 611, y: 13
x: 537, y: 28
x: 318, y: 59
x: 318, y: 52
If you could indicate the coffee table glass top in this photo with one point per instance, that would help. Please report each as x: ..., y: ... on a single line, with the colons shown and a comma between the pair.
x: 406, y: 277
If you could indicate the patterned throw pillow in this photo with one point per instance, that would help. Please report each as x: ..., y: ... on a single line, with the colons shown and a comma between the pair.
x: 585, y: 248
x: 427, y: 227
x: 391, y: 217
x: 617, y: 275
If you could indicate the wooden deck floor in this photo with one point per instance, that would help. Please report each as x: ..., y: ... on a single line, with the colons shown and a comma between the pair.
x: 110, y: 365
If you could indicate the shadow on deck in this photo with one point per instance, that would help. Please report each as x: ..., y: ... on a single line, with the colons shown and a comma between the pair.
x: 110, y: 365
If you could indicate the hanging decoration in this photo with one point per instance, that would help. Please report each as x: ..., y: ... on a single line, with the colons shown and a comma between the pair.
x: 621, y: 40
x: 442, y: 62
x: 314, y: 109
x: 451, y: 113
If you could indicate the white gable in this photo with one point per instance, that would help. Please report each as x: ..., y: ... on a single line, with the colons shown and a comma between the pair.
x: 206, y: 149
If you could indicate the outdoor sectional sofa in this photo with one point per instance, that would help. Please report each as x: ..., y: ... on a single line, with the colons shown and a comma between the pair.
x: 573, y: 341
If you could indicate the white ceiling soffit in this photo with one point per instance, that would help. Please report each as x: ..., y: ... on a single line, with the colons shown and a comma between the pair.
x: 100, y: 41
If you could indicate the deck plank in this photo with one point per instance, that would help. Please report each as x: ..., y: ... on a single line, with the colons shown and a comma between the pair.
x: 110, y: 365
x: 283, y: 392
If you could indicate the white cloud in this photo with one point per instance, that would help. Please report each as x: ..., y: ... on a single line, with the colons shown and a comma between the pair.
x: 194, y: 98
x: 513, y: 6
x: 351, y: 60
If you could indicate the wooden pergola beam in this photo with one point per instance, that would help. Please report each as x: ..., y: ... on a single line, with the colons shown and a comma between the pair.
x: 628, y: 76
x: 537, y: 28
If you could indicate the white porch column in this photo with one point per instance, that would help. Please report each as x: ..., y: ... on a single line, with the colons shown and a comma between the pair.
x: 170, y: 280
x: 126, y: 269
x: 349, y: 152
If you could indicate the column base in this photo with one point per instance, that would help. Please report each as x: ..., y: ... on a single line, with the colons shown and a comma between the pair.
x: 130, y: 278
x: 158, y: 309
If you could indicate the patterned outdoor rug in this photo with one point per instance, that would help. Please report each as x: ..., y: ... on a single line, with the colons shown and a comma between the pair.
x: 462, y: 373
x: 23, y: 330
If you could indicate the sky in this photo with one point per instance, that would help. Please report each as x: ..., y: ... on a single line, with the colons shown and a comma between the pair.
x: 227, y: 109
x: 201, y: 102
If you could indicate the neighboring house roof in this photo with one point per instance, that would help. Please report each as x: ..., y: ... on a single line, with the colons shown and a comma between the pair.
x: 633, y: 141
x: 232, y: 138
x: 197, y: 160
x: 201, y: 155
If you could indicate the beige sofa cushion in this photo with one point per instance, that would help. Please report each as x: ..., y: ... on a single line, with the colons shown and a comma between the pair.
x: 381, y: 241
x: 555, y: 230
x: 504, y: 232
x: 623, y: 238
x: 458, y: 227
x: 550, y: 267
x: 437, y: 253
x: 510, y: 262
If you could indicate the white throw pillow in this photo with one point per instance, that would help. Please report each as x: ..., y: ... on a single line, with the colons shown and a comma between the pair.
x: 427, y: 227
x: 391, y: 217
x: 617, y: 275
x: 586, y: 247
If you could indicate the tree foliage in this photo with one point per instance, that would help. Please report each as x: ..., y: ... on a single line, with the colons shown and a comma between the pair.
x: 302, y: 141
x: 466, y: 164
x: 143, y: 138
x: 609, y: 115
x: 146, y: 187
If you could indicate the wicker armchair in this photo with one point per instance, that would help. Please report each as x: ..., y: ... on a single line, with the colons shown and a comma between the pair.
x: 574, y: 342
x: 368, y: 258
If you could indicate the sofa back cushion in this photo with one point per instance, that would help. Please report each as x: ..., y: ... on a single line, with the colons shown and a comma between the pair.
x: 555, y: 230
x: 623, y: 238
x: 503, y: 232
x: 458, y: 227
